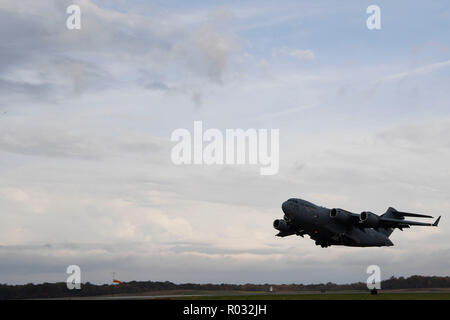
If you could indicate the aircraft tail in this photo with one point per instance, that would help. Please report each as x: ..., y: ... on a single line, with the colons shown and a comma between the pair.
x: 397, y: 216
x: 393, y: 214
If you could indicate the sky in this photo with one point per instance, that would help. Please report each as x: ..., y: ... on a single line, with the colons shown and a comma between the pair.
x: 86, y: 117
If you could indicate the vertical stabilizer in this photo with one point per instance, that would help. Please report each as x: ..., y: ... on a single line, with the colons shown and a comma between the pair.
x: 392, y: 214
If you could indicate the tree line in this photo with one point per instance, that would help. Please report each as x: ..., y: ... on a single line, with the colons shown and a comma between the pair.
x: 59, y: 290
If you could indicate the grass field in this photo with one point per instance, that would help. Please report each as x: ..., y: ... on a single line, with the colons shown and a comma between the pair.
x: 330, y: 296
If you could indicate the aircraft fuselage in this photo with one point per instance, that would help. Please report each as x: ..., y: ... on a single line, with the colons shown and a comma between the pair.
x: 302, y: 217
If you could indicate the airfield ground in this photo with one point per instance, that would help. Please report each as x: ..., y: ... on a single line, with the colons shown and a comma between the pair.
x: 329, y: 296
x: 431, y: 294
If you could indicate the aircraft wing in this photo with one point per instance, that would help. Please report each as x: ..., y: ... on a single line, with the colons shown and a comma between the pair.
x: 391, y: 219
x: 415, y: 215
x: 400, y: 223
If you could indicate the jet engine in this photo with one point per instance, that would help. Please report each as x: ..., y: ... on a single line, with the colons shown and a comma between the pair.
x: 340, y: 215
x: 369, y: 219
x: 281, y: 225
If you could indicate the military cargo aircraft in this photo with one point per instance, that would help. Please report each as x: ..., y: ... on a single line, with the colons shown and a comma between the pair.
x: 340, y: 227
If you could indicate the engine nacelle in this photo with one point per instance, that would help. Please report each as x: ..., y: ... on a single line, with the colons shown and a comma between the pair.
x: 369, y: 219
x: 340, y: 215
x: 281, y: 225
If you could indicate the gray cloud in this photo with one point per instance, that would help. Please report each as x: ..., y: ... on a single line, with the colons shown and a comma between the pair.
x: 433, y: 136
x: 97, y: 262
x: 57, y: 142
x: 86, y: 175
x: 157, y: 45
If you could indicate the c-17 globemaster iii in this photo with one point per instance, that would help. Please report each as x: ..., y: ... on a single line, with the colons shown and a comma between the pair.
x: 340, y: 227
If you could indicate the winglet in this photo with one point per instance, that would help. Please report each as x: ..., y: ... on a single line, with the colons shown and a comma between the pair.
x: 435, y: 224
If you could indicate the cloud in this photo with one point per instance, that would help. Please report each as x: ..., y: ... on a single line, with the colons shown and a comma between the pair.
x: 425, y: 138
x: 86, y: 176
x: 66, y: 62
x: 287, y: 112
x: 419, y: 71
x: 57, y: 142
x: 209, y: 47
x: 296, y: 53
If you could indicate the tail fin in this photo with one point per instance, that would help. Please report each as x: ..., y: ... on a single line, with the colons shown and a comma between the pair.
x: 393, y: 214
